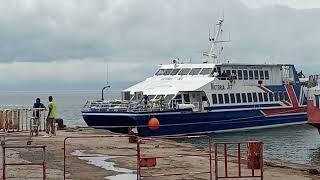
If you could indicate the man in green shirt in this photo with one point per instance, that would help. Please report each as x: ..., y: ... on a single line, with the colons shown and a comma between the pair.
x: 50, y: 122
x: 161, y: 101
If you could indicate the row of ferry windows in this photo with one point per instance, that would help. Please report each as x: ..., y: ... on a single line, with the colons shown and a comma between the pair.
x: 238, y: 74
x: 248, y: 74
x: 184, y: 71
x: 249, y: 97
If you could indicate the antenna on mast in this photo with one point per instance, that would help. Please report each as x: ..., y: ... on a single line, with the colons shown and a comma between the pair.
x: 222, y: 14
x: 210, y: 54
x: 107, y: 86
x: 214, y: 29
x: 107, y: 73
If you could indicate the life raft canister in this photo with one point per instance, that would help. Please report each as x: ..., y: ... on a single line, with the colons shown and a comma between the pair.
x: 153, y: 124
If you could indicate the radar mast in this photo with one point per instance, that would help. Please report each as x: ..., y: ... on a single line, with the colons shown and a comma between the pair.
x: 215, y: 52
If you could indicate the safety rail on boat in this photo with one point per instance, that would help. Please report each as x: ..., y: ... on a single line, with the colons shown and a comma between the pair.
x: 123, y: 106
x: 133, y: 106
x: 314, y: 80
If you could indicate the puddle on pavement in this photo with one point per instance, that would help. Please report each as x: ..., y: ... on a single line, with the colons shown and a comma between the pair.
x: 101, y: 161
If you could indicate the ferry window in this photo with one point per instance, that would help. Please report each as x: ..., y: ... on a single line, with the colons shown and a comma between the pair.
x: 276, y: 96
x: 186, y: 98
x: 226, y: 98
x: 151, y: 97
x: 174, y: 71
x: 160, y: 72
x: 234, y: 73
x: 184, y: 71
x: 167, y: 71
x: 250, y: 74
x: 266, y: 73
x: 206, y: 71
x: 254, y: 95
x: 245, y: 74
x: 281, y: 96
x: 286, y: 97
x: 244, y: 97
x: 265, y: 96
x: 249, y: 97
x: 195, y: 71
x: 214, y: 99
x: 238, y: 97
x: 220, y: 97
x: 261, y: 74
x: 219, y: 70
x: 228, y: 72
x: 232, y: 98
x: 168, y: 98
x: 256, y: 74
x: 178, y: 96
x: 271, y: 96
x: 240, y: 74
x: 260, y: 97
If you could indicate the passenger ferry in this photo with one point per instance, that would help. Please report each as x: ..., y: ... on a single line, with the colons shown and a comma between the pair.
x: 314, y: 101
x: 212, y: 96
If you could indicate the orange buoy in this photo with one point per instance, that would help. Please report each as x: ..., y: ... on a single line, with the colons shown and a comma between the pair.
x: 153, y: 124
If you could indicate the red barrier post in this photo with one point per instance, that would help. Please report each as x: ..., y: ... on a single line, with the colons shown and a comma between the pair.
x: 138, y: 158
x: 261, y: 162
x: 44, y: 167
x: 3, y: 163
x: 239, y: 159
x: 225, y: 160
x: 210, y: 157
x: 216, y: 160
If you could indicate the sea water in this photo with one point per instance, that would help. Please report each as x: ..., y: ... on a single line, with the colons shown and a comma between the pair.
x: 297, y: 143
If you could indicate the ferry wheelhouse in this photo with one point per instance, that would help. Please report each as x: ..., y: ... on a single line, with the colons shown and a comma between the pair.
x: 208, y: 97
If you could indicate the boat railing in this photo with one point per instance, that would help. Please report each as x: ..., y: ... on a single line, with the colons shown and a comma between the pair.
x: 313, y: 80
x: 123, y: 106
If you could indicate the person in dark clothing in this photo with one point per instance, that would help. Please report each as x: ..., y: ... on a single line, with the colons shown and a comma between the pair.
x: 37, y: 107
x: 145, y: 100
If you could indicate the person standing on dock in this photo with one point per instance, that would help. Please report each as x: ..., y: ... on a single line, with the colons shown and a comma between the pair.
x: 50, y: 122
x: 37, y: 107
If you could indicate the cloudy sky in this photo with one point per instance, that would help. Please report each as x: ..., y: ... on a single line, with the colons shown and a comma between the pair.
x: 62, y: 44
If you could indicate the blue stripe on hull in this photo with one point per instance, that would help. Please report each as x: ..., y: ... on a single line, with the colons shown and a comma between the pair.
x: 187, y: 123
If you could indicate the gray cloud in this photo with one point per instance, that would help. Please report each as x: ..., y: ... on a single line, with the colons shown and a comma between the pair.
x: 145, y: 33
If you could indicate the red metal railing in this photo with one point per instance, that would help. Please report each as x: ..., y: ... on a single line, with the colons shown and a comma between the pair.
x: 233, y: 162
x: 254, y: 151
x: 142, y: 160
x: 65, y: 156
x: 5, y: 164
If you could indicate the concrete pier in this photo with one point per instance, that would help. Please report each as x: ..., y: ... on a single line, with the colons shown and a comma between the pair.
x: 86, y: 160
